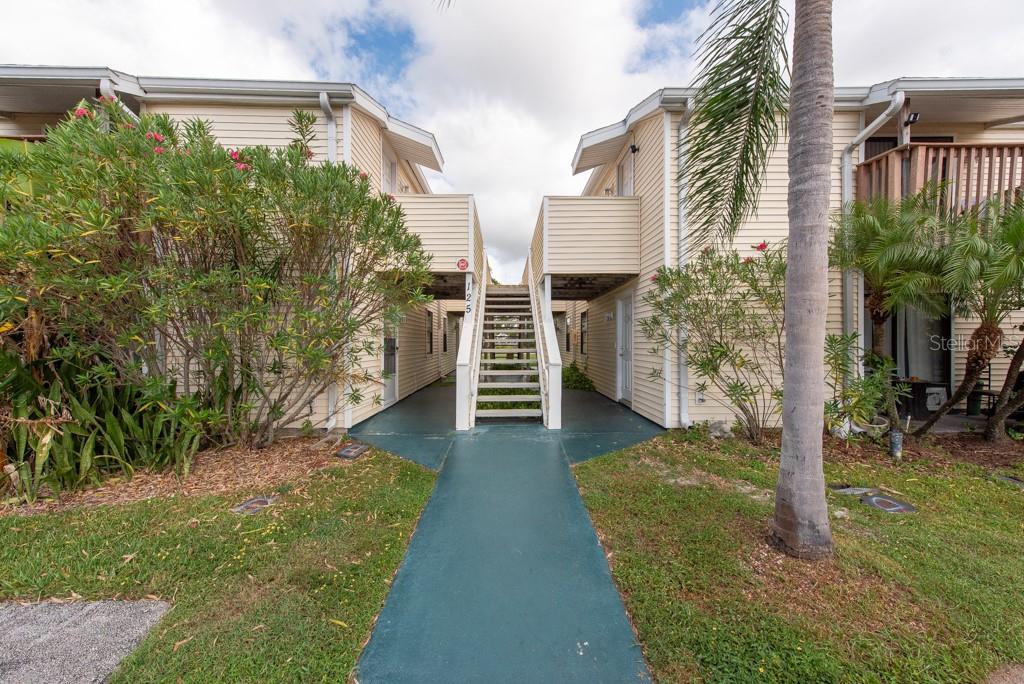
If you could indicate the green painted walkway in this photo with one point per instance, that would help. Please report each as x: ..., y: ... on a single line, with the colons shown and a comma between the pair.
x: 504, y: 580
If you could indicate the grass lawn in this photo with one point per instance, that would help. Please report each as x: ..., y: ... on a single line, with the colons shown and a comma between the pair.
x: 933, y: 596
x: 288, y: 594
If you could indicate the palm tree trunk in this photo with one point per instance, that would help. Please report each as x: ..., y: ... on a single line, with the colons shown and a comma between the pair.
x: 878, y: 318
x: 1007, y: 403
x: 801, y: 525
x: 986, y: 341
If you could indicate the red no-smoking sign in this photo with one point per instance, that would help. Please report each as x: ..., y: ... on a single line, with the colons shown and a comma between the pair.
x: 462, y: 264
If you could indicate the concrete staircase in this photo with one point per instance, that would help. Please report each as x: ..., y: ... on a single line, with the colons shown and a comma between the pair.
x: 509, y: 382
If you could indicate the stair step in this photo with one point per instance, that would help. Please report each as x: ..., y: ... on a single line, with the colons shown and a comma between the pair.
x: 509, y: 298
x: 517, y: 307
x: 508, y: 362
x: 509, y: 413
x: 491, y: 344
x: 508, y: 385
x: 517, y: 350
x: 509, y: 330
x: 505, y: 398
x: 524, y: 371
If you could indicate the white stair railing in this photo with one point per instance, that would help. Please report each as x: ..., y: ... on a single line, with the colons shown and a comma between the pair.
x: 549, y: 357
x: 467, y: 365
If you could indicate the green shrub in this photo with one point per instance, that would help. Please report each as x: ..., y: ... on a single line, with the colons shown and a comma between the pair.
x: 231, y: 287
x: 574, y: 378
x: 725, y: 311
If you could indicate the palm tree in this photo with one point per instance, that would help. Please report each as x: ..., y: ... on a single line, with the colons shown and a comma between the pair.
x: 982, y: 270
x: 741, y: 91
x: 893, y: 246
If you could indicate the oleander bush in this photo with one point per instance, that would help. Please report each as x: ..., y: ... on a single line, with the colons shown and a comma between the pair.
x: 157, y: 286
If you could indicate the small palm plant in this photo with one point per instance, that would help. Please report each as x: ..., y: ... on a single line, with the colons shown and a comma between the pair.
x: 982, y: 271
x: 893, y: 246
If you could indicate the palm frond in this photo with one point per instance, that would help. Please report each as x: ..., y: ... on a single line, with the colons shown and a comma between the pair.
x: 742, y: 94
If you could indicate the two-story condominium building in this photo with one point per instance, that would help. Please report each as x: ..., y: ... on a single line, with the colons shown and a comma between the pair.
x: 351, y: 127
x: 604, y: 246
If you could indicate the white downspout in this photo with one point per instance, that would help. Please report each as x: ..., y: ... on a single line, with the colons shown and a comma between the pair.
x: 682, y: 256
x: 846, y: 168
x: 332, y: 156
x: 332, y: 127
x: 107, y: 91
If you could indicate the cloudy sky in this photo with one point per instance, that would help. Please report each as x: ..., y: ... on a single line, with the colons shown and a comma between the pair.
x: 507, y: 87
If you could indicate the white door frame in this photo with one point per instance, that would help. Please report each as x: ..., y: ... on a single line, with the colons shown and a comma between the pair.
x: 390, y: 384
x: 624, y: 352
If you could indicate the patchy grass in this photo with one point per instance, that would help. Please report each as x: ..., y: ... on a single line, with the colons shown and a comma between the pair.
x: 289, y: 594
x: 935, y: 596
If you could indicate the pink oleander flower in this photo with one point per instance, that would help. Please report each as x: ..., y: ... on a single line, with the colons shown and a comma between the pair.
x: 154, y: 136
x: 235, y: 154
x: 761, y: 246
x: 391, y: 197
x: 158, y: 150
x: 748, y: 260
x: 82, y: 111
x: 654, y: 278
x: 362, y: 175
x: 241, y: 167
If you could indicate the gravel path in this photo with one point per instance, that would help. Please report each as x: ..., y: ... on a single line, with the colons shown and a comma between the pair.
x: 71, y: 642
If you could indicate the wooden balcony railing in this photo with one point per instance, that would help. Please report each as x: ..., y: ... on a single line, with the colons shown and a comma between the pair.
x: 967, y: 175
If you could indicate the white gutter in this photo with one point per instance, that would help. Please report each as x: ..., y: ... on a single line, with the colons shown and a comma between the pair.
x: 332, y: 127
x: 846, y: 167
x: 682, y: 256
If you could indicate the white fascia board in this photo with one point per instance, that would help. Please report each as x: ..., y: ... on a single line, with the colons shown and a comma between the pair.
x: 615, y: 130
x: 881, y: 93
x: 17, y: 74
x: 188, y: 88
x: 400, y: 128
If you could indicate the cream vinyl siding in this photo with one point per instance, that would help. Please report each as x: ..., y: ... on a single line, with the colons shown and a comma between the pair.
x: 537, y: 249
x: 601, y: 364
x: 593, y: 235
x: 479, y: 257
x: 407, y: 181
x: 367, y: 146
x: 770, y: 222
x: 453, y: 310
x: 23, y: 125
x: 417, y: 365
x: 442, y: 222
x: 374, y: 366
x: 247, y: 126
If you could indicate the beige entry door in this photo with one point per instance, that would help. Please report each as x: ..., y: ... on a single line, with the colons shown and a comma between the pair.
x: 624, y: 349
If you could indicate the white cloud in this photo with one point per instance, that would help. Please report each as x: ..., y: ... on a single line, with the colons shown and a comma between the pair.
x: 507, y: 87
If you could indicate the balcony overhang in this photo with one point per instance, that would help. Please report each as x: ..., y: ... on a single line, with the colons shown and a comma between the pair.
x: 586, y: 286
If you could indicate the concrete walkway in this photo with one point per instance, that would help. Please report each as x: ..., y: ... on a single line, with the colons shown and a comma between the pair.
x: 505, y: 580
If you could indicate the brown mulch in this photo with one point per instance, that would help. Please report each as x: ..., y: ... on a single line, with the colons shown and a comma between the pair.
x: 965, y: 447
x: 213, y: 472
x: 972, y: 448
